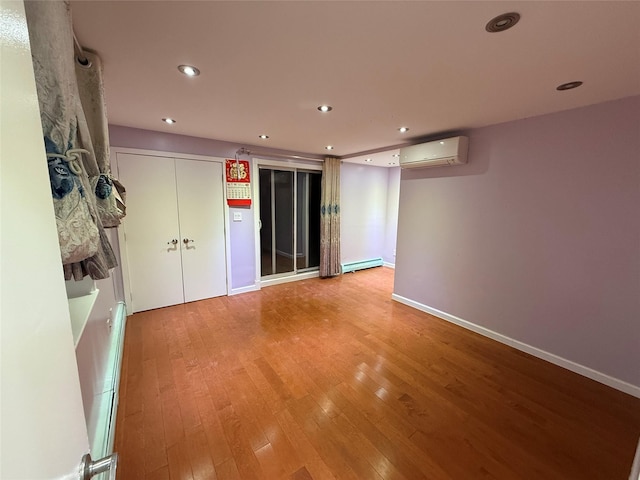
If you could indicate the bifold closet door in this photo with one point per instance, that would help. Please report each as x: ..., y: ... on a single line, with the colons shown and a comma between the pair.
x: 202, y: 242
x: 151, y: 227
x: 174, y: 230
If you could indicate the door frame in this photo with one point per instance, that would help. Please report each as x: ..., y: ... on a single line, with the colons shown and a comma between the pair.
x: 255, y: 172
x: 124, y: 260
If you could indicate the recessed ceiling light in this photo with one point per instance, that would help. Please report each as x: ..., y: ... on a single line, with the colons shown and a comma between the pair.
x: 392, y: 163
x: 263, y: 137
x: 189, y: 70
x: 329, y: 147
x: 441, y: 143
x: 502, y: 22
x: 368, y: 160
x: 568, y: 85
x: 325, y: 108
x: 403, y: 129
x: 168, y: 120
x: 396, y: 155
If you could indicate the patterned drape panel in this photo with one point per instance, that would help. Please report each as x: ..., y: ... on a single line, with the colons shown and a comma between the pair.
x: 330, y: 219
x: 71, y: 142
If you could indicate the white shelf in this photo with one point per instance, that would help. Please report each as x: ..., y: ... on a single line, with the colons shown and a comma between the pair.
x: 80, y: 309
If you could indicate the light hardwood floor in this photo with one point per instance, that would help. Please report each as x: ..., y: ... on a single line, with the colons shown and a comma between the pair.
x: 324, y: 379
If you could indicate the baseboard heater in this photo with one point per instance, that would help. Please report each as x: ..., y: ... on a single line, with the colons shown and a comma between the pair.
x: 362, y: 264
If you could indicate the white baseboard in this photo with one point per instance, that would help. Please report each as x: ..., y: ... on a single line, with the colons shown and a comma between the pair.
x: 248, y: 288
x: 390, y: 265
x: 536, y: 352
x: 635, y: 468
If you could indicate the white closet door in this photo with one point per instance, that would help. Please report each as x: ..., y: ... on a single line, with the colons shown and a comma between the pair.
x: 201, y: 213
x: 151, y: 224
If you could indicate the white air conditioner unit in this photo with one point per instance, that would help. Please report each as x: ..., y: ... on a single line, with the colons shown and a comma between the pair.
x: 449, y: 151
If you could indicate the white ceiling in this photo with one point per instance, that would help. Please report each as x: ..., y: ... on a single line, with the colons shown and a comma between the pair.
x: 431, y: 66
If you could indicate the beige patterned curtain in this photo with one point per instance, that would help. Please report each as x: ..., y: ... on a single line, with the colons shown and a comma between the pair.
x: 75, y: 141
x: 330, y: 219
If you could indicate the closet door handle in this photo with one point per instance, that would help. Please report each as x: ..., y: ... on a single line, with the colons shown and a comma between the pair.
x: 186, y: 241
x: 173, y: 242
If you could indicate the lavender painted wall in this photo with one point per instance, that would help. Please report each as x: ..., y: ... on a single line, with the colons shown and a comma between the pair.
x: 538, y: 237
x: 391, y: 223
x: 241, y: 234
x: 363, y: 210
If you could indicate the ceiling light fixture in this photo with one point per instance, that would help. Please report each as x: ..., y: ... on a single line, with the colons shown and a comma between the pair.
x: 396, y: 155
x: 568, y: 86
x: 325, y: 108
x: 329, y: 147
x: 502, y: 22
x: 368, y: 160
x: 403, y: 129
x: 189, y: 70
x: 168, y: 120
x: 263, y: 137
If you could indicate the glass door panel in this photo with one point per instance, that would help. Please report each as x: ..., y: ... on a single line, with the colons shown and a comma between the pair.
x: 289, y: 220
x: 266, y: 226
x: 308, y: 220
x: 283, y: 221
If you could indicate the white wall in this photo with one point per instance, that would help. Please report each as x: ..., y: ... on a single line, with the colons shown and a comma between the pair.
x: 537, y: 238
x: 363, y: 211
x: 391, y: 224
x: 43, y: 432
x: 96, y: 354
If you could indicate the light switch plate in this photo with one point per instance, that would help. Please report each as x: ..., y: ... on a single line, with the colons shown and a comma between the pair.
x: 237, y: 216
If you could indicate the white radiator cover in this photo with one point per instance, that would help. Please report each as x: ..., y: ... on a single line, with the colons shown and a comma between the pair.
x: 361, y: 264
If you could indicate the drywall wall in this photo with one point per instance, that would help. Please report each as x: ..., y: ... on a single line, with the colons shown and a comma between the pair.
x: 363, y: 211
x: 43, y: 431
x: 391, y: 223
x: 538, y: 237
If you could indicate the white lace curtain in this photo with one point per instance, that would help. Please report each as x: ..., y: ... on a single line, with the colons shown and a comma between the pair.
x: 330, y: 219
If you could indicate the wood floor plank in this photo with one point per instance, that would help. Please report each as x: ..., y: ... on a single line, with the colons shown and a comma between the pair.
x: 240, y: 445
x: 160, y: 474
x: 154, y: 450
x: 179, y: 463
x: 200, y: 456
x: 228, y: 470
x: 218, y: 446
x: 318, y: 380
x: 316, y: 467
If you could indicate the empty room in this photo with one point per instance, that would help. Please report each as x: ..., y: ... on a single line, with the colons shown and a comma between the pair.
x: 320, y: 240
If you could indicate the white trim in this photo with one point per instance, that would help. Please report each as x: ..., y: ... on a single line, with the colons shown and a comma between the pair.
x: 157, y: 153
x: 635, y: 468
x: 290, y: 278
x: 121, y: 321
x: 255, y: 188
x: 388, y: 264
x: 248, y: 288
x: 536, y: 352
x: 288, y: 165
x: 122, y: 243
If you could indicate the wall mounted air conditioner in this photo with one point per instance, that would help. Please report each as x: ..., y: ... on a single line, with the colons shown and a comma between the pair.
x: 448, y: 151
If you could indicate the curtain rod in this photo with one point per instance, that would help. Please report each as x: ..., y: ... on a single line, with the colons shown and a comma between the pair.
x: 246, y: 151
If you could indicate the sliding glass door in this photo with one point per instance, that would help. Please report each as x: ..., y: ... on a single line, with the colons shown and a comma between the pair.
x: 289, y: 220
